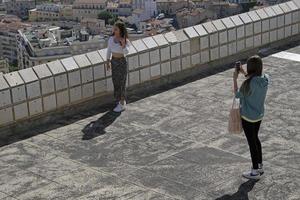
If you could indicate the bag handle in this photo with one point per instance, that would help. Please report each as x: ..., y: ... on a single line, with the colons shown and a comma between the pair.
x: 234, y: 102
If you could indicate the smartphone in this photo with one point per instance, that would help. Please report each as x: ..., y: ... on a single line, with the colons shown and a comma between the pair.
x: 238, y: 65
x: 123, y: 36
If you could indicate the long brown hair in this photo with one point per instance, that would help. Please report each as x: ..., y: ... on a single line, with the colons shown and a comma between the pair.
x: 122, y: 28
x: 254, y: 68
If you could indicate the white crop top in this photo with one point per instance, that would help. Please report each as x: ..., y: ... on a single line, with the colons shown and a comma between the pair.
x: 113, y: 47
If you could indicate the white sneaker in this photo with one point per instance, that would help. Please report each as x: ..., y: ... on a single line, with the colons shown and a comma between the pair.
x: 253, y: 174
x: 119, y: 107
x: 260, y: 169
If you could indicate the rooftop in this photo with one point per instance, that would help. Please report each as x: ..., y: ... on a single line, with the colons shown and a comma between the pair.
x: 11, y: 23
x: 10, y: 1
x: 91, y: 20
x: 171, y: 145
x: 125, y: 1
x: 90, y: 2
x: 138, y: 11
x: 112, y: 5
x: 191, y: 12
x: 169, y: 1
x: 51, y: 36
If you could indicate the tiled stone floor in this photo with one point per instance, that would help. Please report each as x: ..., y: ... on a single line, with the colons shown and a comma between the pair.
x: 172, y: 145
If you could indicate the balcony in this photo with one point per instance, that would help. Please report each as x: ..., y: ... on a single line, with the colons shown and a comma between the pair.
x: 172, y: 142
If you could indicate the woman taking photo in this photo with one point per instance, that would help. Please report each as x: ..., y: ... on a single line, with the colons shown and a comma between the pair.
x: 117, y: 49
x: 252, y: 96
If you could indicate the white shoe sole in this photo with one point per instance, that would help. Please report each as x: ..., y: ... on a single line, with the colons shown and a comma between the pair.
x: 252, y: 177
x: 118, y: 111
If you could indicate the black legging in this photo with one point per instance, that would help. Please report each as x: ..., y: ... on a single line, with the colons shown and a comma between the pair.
x: 119, y: 76
x: 251, y: 132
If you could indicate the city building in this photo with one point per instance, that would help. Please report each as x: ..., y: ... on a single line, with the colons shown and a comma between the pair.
x: 155, y: 26
x: 2, y: 8
x: 51, y: 12
x: 66, y: 13
x: 138, y: 4
x: 144, y: 10
x: 215, y: 9
x: 269, y: 2
x: 150, y: 25
x: 88, y: 8
x: 242, y: 1
x: 19, y: 8
x: 149, y: 6
x: 223, y: 8
x: 199, y: 3
x: 186, y: 17
x: 170, y: 7
x: 93, y: 26
x: 4, y: 66
x: 43, y: 44
x: 137, y: 16
x: 125, y: 7
x: 45, y: 12
x: 9, y: 26
x: 253, y: 2
x: 112, y: 7
x: 247, y: 4
x: 219, y: 8
x: 66, y: 2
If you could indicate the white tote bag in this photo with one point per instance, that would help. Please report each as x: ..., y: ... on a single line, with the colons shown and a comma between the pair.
x: 235, y: 121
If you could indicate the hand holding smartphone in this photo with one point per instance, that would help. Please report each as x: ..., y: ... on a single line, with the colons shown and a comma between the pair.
x: 238, y: 65
x: 239, y: 68
x: 122, y: 42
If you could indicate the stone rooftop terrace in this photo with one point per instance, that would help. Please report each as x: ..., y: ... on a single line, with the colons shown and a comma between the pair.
x: 171, y: 145
x: 168, y: 145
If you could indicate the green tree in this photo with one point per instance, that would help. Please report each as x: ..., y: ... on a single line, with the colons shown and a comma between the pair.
x: 106, y: 16
x: 112, y: 20
x: 13, y: 67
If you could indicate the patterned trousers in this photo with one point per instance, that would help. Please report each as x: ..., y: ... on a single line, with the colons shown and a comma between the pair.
x: 119, y: 76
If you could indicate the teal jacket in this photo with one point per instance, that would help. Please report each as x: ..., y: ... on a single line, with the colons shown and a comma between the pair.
x: 252, y: 106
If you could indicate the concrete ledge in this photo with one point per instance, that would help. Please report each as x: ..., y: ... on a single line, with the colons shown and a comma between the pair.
x: 105, y: 100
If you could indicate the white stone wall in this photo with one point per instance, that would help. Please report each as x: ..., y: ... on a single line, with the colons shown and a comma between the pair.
x: 67, y: 82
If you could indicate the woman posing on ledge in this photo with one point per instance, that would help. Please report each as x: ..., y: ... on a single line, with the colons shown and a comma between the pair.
x: 117, y: 49
x: 252, y: 96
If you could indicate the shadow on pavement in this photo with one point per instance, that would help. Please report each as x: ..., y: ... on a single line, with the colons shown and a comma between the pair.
x: 242, y: 193
x: 97, y: 128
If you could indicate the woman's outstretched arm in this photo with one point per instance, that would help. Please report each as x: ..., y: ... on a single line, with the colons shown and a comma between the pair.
x: 235, y: 84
